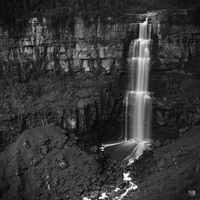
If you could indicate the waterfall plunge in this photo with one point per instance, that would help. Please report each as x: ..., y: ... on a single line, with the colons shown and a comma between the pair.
x: 138, y: 101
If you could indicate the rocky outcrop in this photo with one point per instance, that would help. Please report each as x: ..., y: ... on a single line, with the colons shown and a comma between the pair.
x: 45, y: 162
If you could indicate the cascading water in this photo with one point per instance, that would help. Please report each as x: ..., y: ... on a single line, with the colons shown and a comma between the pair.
x: 138, y: 101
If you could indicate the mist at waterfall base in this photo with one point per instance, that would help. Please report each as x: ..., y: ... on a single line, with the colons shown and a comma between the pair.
x: 138, y: 102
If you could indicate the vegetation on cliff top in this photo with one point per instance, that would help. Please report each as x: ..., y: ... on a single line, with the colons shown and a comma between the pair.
x: 14, y: 14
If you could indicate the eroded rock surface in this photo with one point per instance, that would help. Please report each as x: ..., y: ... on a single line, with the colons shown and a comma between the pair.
x: 45, y: 163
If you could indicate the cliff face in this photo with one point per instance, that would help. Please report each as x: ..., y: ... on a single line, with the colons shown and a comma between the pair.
x: 82, y: 50
x: 73, y: 79
x: 175, y: 80
x: 78, y: 79
x: 177, y: 40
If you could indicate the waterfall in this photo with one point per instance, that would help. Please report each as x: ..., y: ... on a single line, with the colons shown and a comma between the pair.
x: 138, y: 101
x: 138, y: 108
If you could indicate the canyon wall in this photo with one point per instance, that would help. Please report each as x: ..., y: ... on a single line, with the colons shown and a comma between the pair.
x: 175, y: 72
x: 70, y: 78
x: 79, y: 79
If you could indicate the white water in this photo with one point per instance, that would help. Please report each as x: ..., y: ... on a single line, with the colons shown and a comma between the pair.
x: 122, y: 192
x: 138, y: 101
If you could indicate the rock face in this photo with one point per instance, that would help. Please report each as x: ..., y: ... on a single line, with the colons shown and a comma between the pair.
x: 78, y: 79
x: 175, y: 74
x: 45, y: 163
x: 73, y: 79
x: 176, y: 41
x: 87, y: 48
